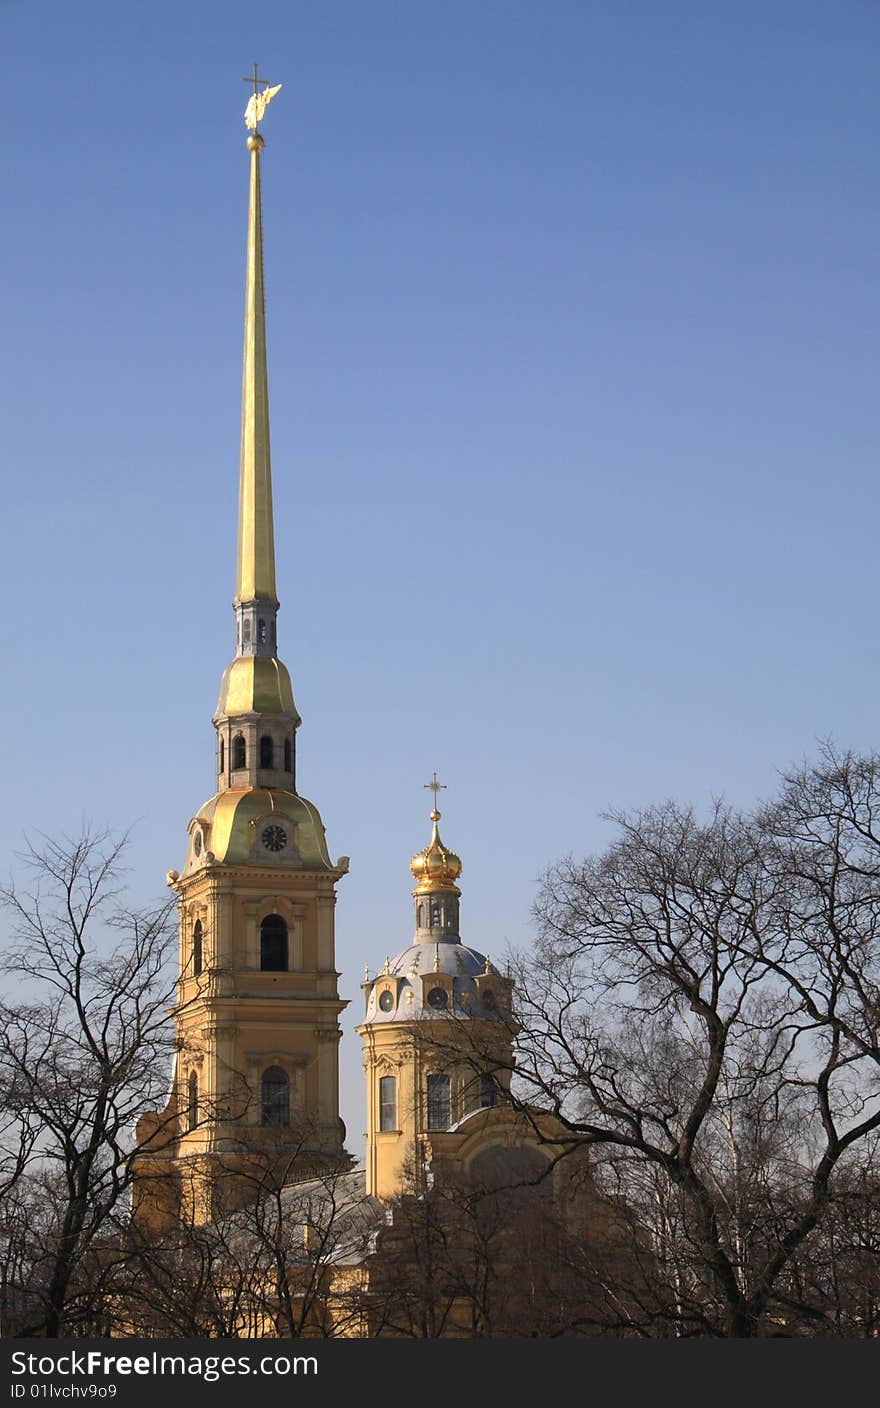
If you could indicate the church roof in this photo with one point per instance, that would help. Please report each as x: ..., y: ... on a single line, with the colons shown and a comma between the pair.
x: 435, y: 868
x: 462, y: 974
x: 231, y: 823
x: 256, y: 533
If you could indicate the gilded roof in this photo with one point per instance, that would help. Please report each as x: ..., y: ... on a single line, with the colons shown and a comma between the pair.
x: 255, y: 684
x: 256, y: 537
x: 436, y: 867
x: 232, y: 822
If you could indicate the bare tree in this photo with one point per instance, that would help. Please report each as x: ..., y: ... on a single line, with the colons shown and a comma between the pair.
x: 702, y: 1006
x: 837, y: 1278
x: 84, y: 1050
x: 287, y: 1264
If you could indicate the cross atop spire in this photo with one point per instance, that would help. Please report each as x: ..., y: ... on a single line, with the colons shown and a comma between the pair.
x: 435, y: 787
x: 256, y: 80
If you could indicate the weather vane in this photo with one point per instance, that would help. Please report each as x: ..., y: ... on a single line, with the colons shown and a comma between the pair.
x: 257, y: 104
x: 435, y: 787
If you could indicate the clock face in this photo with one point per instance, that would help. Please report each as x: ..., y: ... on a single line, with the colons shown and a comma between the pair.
x: 386, y: 1000
x: 438, y: 997
x: 274, y: 838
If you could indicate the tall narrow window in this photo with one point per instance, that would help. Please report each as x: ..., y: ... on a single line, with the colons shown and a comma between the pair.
x: 192, y: 1109
x: 287, y: 755
x: 246, y: 633
x: 261, y: 631
x: 267, y: 752
x: 488, y: 1092
x: 435, y: 916
x: 197, y: 947
x: 421, y: 916
x: 275, y: 1097
x: 387, y: 1103
x: 222, y: 755
x: 239, y: 752
x: 273, y: 944
x: 438, y: 1102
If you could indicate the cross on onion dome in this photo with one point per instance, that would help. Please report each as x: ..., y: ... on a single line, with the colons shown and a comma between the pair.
x: 435, y: 787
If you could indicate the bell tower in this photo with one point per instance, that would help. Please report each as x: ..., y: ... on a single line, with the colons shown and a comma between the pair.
x: 255, y: 1089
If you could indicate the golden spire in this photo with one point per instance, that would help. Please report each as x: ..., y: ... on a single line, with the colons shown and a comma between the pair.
x: 256, y: 535
x: 436, y: 867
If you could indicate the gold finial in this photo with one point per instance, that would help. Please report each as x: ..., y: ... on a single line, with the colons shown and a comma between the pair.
x: 256, y: 108
x: 435, y: 868
x: 488, y: 967
x: 387, y: 969
x: 366, y: 972
x: 435, y: 787
x: 436, y: 958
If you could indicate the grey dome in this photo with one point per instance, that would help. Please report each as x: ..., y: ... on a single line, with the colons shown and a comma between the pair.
x: 455, y: 960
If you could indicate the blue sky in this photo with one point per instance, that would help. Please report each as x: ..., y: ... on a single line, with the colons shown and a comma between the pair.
x: 573, y: 313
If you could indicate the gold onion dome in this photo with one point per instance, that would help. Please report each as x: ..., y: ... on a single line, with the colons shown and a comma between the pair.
x: 436, y: 867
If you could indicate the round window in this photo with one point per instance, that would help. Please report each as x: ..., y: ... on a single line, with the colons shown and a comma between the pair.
x: 438, y: 997
x: 197, y: 843
x: 386, y: 999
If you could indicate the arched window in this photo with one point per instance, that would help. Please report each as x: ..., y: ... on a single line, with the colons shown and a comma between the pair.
x: 261, y: 631
x: 438, y: 1102
x: 387, y: 1103
x: 197, y: 947
x: 267, y: 752
x: 246, y: 633
x: 273, y: 944
x: 488, y: 1092
x: 275, y: 1097
x: 435, y: 916
x: 239, y: 752
x: 421, y: 916
x: 192, y: 1109
x: 287, y: 755
x: 222, y: 754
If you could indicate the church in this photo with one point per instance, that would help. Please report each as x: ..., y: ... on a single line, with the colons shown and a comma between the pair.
x: 254, y: 1099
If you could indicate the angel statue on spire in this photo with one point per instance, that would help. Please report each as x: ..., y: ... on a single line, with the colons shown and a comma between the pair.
x: 257, y: 104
